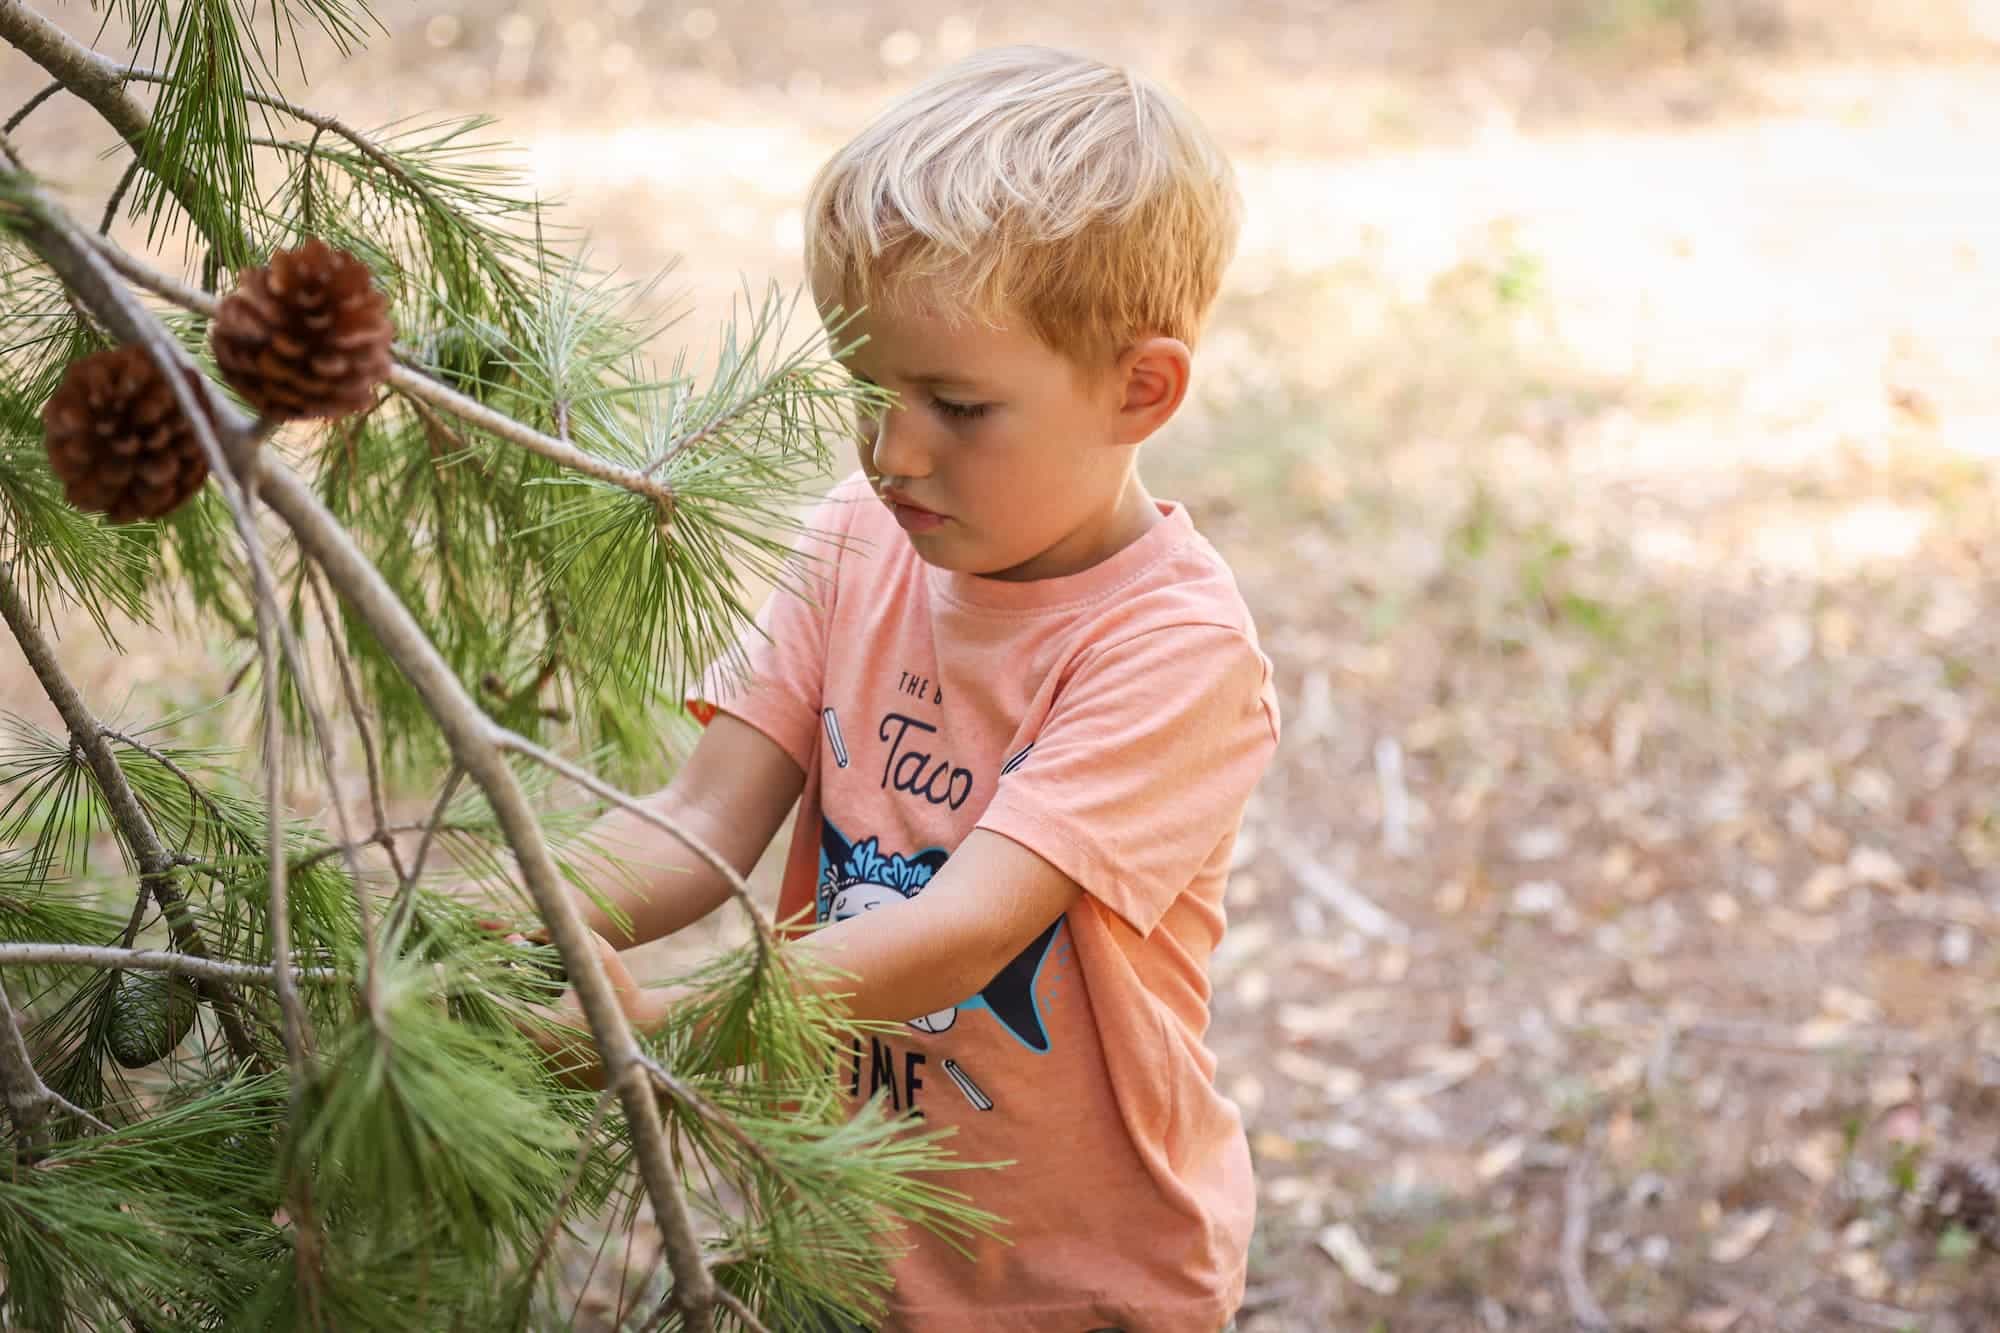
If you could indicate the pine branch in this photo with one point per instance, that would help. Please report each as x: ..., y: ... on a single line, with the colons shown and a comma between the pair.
x: 322, y: 124
x: 464, y: 726
x: 477, y: 747
x: 149, y: 960
x: 228, y: 442
x: 480, y: 746
x: 419, y: 386
x: 100, y: 81
x: 29, y: 1099
x: 156, y: 864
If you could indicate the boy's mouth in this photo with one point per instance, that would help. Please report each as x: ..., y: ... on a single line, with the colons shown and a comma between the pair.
x: 910, y: 516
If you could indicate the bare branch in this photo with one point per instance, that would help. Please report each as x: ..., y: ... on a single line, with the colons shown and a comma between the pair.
x: 406, y: 891
x: 29, y: 1100
x: 583, y: 777
x: 376, y: 805
x: 118, y: 197
x: 382, y: 838
x: 14, y: 121
x: 147, y: 960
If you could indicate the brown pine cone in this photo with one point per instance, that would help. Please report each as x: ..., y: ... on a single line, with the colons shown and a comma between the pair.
x: 306, y: 336
x: 1964, y: 1194
x: 118, y: 440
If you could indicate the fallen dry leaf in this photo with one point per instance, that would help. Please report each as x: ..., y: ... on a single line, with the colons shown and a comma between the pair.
x: 1743, y: 1233
x: 1498, y: 1160
x: 1872, y: 865
x: 1822, y: 888
x: 1342, y: 1244
x: 1337, y: 1082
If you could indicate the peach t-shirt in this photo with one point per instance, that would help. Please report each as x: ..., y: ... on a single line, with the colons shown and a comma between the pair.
x: 1113, y: 721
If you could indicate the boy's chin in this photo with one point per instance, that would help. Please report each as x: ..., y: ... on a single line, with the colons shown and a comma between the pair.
x: 954, y: 559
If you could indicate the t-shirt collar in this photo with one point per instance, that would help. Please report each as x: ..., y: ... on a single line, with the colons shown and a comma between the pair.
x: 1086, y: 585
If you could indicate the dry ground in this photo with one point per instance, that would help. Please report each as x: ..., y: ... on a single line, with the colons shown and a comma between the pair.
x: 1602, y: 419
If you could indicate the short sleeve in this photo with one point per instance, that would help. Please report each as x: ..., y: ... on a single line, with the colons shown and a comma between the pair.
x: 772, y: 678
x: 1143, y: 766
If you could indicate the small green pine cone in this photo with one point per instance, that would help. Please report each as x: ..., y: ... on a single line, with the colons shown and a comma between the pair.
x: 150, y: 1013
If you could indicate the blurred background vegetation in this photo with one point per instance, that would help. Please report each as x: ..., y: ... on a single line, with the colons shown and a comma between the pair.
x: 1602, y: 418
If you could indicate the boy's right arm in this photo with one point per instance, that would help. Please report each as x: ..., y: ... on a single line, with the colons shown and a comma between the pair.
x: 733, y: 793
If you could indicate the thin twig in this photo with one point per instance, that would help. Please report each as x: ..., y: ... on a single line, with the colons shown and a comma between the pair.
x: 382, y: 837
x: 377, y: 806
x: 415, y: 384
x: 406, y: 890
x: 723, y: 416
x: 195, y: 793
x: 298, y: 1032
x: 306, y: 182
x: 682, y: 1091
x: 30, y: 1100
x: 740, y: 1310
x: 14, y: 121
x: 568, y: 1190
x: 1589, y: 1315
x: 118, y: 197
x: 147, y: 960
x: 590, y: 782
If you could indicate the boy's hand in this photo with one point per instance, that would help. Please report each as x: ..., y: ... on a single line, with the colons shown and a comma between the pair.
x: 562, y: 1031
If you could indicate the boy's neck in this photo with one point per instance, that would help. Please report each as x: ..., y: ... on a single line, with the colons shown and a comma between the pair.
x: 1133, y: 516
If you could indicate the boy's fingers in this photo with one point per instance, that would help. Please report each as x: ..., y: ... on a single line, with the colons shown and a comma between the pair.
x: 495, y: 926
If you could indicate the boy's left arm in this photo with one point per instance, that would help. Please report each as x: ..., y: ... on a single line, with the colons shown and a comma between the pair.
x: 981, y: 909
x: 984, y: 906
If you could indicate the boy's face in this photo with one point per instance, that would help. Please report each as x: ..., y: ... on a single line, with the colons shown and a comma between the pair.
x: 1001, y: 457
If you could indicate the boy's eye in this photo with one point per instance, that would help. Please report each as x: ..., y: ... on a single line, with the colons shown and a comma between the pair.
x: 960, y: 411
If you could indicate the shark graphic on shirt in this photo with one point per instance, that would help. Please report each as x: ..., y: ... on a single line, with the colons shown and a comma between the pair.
x: 857, y: 877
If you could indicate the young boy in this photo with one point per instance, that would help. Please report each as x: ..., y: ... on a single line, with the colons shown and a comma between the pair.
x: 1022, y: 700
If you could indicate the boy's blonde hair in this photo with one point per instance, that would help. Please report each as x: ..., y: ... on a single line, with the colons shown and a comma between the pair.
x: 1033, y: 182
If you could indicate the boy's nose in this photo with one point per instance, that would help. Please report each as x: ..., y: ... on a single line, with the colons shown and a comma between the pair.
x: 896, y: 450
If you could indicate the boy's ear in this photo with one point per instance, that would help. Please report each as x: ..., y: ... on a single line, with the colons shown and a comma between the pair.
x: 1152, y: 380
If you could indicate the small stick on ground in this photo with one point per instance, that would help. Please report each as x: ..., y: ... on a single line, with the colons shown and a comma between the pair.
x: 1589, y: 1315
